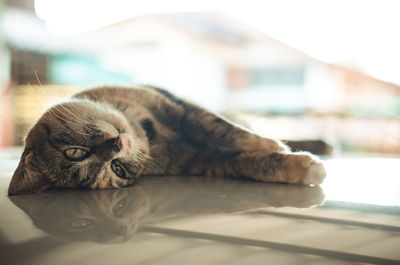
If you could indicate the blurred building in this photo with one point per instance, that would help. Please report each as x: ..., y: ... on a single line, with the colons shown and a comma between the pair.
x: 218, y: 62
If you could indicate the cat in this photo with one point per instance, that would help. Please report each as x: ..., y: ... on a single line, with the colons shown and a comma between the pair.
x: 106, y: 137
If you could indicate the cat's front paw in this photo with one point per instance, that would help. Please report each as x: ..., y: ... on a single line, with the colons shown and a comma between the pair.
x: 285, y: 167
x: 304, y: 168
x: 315, y: 173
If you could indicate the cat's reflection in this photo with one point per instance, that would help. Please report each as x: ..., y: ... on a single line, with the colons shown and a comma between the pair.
x: 100, y: 216
x: 114, y: 215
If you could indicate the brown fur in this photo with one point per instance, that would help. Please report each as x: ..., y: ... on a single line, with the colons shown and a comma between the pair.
x: 160, y: 135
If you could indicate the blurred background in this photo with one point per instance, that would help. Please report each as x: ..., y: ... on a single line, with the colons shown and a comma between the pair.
x: 288, y: 69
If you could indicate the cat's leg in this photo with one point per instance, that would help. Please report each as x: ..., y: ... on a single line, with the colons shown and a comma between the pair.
x: 287, y: 167
x: 233, y: 151
x: 225, y: 149
x: 223, y: 136
x: 203, y: 128
x: 299, y: 168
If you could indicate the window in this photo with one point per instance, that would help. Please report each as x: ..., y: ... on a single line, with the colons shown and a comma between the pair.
x: 274, y: 76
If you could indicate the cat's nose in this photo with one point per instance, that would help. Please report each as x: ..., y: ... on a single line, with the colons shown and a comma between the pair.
x: 117, y: 144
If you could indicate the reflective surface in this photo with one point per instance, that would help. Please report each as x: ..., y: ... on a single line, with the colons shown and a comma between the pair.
x: 354, y: 217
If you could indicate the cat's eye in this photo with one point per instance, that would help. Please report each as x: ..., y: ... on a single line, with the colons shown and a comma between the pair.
x: 118, y: 169
x: 76, y: 154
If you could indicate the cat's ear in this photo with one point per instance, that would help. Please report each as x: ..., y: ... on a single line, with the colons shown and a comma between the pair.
x: 26, y: 178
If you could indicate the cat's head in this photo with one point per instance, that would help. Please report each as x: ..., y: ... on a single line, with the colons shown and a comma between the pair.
x: 80, y: 143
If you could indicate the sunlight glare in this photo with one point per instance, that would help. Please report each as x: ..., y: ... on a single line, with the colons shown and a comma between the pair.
x: 363, y: 180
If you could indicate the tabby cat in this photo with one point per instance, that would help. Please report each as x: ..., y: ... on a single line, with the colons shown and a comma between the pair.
x: 109, y: 136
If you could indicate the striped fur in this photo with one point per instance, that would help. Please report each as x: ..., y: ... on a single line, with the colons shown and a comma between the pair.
x: 160, y: 134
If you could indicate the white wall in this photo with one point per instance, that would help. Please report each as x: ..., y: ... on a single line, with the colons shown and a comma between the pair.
x: 290, y: 98
x: 323, y: 89
x: 176, y: 66
x: 193, y: 75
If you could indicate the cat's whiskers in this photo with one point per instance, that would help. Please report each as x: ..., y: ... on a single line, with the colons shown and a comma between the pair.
x: 75, y: 114
x: 137, y: 160
x: 56, y: 117
x: 72, y: 119
x: 148, y: 162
